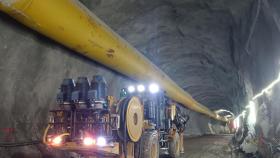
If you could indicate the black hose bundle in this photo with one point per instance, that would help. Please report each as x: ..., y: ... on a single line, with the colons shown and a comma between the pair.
x: 123, y: 128
x: 181, y: 121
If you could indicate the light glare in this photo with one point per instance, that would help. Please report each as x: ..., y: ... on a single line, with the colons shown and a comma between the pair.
x: 140, y: 88
x: 236, y: 122
x: 131, y: 89
x: 270, y: 86
x: 252, y: 114
x: 251, y: 106
x: 89, y: 141
x: 101, y: 141
x: 154, y: 88
x: 57, y: 140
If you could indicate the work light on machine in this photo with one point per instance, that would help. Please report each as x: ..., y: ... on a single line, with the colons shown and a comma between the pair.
x: 153, y: 88
x: 57, y: 140
x: 88, y: 141
x: 140, y: 88
x: 131, y: 89
x: 101, y: 141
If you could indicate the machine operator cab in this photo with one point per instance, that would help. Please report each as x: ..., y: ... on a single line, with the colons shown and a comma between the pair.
x: 142, y: 123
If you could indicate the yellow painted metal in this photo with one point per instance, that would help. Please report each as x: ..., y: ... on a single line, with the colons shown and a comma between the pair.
x: 171, y: 111
x: 134, y: 119
x: 71, y: 24
x: 45, y: 134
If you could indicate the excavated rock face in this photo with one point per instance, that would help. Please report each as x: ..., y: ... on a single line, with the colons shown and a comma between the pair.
x: 192, y: 41
x: 221, y: 52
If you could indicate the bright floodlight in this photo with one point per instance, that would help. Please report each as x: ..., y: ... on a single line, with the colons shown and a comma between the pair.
x: 236, y: 122
x: 140, y: 88
x: 153, y: 88
x: 252, y: 118
x: 57, y: 140
x: 89, y: 141
x: 101, y: 141
x: 131, y: 89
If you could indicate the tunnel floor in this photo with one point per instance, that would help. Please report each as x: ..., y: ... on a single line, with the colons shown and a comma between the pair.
x: 212, y: 146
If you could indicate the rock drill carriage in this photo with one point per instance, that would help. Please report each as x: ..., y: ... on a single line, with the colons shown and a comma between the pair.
x: 143, y: 122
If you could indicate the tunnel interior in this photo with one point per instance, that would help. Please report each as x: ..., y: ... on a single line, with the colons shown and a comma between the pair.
x: 221, y: 52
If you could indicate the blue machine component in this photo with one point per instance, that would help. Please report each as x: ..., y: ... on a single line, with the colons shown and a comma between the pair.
x: 154, y: 109
x: 83, y: 108
x: 150, y: 110
x: 98, y: 88
x: 66, y: 89
x: 81, y: 90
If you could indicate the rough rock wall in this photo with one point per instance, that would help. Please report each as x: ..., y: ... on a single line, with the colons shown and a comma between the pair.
x: 257, y: 56
x: 261, y: 68
x: 268, y: 127
x: 190, y: 40
x: 257, y: 49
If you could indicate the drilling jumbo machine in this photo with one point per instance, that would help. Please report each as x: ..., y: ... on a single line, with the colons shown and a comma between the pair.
x: 142, y: 122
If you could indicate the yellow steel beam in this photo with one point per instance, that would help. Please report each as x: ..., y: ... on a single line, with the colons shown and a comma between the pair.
x: 71, y: 24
